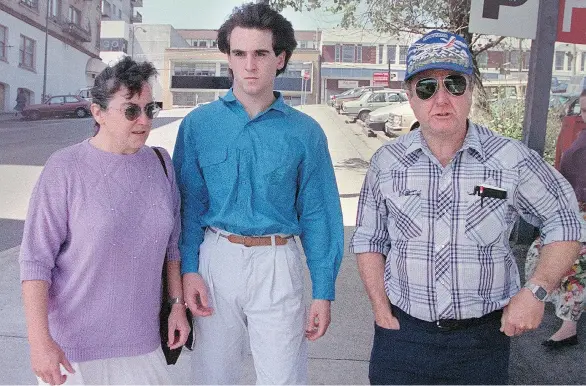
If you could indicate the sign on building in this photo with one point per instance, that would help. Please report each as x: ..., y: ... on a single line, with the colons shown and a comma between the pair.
x: 380, y: 78
x: 571, y: 25
x: 516, y: 18
x: 347, y: 83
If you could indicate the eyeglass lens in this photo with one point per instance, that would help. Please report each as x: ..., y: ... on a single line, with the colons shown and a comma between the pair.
x: 454, y: 84
x: 132, y: 112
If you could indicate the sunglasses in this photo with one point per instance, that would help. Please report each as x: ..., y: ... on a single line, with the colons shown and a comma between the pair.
x: 427, y: 87
x: 133, y: 111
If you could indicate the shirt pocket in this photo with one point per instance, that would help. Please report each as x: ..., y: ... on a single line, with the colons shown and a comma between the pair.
x: 404, y: 219
x: 486, y: 220
x: 214, y: 167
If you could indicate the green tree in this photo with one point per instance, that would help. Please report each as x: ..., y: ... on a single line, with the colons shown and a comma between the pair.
x: 396, y: 17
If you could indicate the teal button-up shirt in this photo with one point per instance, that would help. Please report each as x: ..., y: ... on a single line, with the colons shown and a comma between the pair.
x: 271, y: 174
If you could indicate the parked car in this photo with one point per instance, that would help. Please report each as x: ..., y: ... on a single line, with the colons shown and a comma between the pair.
x: 377, y: 118
x: 401, y: 121
x: 61, y: 105
x: 572, y: 125
x: 560, y: 103
x: 370, y: 101
x: 355, y: 93
x: 333, y: 98
x: 85, y: 93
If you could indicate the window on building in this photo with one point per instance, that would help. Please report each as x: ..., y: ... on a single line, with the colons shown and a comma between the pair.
x: 359, y: 54
x: 27, y: 53
x: 583, y: 67
x: 570, y: 62
x: 526, y: 58
x: 224, y: 69
x: 120, y: 14
x: 482, y: 59
x: 559, y: 60
x: 391, y: 54
x: 74, y: 15
x: 403, y: 54
x: 514, y: 60
x: 55, y: 10
x: 113, y: 10
x: 348, y: 53
x: 380, y: 54
x: 194, y: 69
x: 214, y: 43
x: 30, y: 3
x: 4, y: 40
x: 202, y: 43
x: 303, y: 44
x: 338, y: 53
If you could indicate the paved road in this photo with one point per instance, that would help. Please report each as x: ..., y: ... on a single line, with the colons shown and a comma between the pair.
x: 341, y: 357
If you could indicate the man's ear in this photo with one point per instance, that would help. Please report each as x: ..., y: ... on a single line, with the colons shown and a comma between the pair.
x: 281, y: 60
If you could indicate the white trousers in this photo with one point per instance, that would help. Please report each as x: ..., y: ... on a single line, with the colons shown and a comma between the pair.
x: 257, y: 297
x: 147, y: 369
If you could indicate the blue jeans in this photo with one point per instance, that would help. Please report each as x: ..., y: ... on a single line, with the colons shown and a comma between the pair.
x: 422, y: 353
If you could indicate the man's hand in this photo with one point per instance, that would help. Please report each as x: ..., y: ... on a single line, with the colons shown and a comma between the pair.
x: 523, y: 313
x: 384, y: 318
x: 45, y: 359
x: 318, y: 319
x: 195, y: 293
x: 177, y: 322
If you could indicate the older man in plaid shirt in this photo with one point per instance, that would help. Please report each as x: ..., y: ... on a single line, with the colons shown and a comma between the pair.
x: 432, y: 235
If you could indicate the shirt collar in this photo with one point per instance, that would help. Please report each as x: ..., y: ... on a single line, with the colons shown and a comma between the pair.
x: 471, y: 142
x: 279, y: 103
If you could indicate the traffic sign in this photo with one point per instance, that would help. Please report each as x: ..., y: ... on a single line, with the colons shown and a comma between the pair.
x: 571, y: 26
x: 504, y: 17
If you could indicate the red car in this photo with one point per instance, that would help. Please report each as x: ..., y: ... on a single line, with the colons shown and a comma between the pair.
x: 58, y: 106
x: 572, y: 125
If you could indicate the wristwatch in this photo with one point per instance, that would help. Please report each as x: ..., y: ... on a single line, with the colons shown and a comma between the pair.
x: 176, y: 301
x: 538, y: 291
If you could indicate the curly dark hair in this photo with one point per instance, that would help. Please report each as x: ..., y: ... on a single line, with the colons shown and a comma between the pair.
x: 264, y: 18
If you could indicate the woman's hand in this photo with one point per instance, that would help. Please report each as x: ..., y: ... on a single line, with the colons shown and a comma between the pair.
x: 177, y: 322
x: 45, y: 359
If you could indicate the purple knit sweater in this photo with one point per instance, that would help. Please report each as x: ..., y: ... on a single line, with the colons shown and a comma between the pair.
x: 97, y: 230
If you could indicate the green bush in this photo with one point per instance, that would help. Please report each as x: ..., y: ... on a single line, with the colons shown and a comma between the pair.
x: 506, y: 118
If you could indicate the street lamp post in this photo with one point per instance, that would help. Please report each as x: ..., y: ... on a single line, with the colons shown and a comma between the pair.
x: 134, y: 28
x: 44, y: 95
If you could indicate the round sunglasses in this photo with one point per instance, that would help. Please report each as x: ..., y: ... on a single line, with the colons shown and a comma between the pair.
x: 427, y: 87
x: 132, y: 111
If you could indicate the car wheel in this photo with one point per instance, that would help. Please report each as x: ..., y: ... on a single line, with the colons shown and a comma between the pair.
x: 34, y: 115
x: 80, y: 112
x: 362, y: 116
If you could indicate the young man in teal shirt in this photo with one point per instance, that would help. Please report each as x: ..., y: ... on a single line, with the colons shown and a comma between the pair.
x: 253, y: 172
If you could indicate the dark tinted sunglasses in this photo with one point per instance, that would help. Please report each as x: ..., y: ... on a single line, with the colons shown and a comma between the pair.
x: 132, y: 111
x: 427, y: 87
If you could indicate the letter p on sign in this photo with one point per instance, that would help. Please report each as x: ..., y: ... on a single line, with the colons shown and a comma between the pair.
x: 504, y: 17
x: 571, y: 25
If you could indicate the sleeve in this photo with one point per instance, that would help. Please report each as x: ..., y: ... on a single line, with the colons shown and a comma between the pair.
x: 371, y: 233
x: 544, y: 198
x: 173, y: 246
x: 46, y: 225
x: 194, y: 196
x: 320, y: 218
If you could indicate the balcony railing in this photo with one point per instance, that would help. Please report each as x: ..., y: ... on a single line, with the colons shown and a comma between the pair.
x: 77, y: 31
x: 136, y: 3
x: 136, y: 18
x: 34, y: 4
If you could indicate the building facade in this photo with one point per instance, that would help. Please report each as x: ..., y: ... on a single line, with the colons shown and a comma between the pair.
x: 63, y: 34
x: 200, y: 73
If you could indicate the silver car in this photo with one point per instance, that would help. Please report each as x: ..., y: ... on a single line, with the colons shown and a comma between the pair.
x: 401, y: 121
x: 370, y: 101
x: 377, y: 118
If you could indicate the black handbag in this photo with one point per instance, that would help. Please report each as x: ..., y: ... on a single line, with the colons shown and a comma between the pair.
x: 170, y: 355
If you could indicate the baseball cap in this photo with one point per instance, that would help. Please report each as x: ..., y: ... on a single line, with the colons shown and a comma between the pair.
x: 439, y: 50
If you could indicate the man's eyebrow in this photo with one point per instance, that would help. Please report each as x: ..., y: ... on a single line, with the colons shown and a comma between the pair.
x: 259, y: 51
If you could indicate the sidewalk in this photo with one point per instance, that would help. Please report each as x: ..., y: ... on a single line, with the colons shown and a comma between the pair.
x: 8, y: 116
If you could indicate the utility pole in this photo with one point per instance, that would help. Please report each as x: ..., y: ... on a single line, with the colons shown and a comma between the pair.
x: 44, y: 95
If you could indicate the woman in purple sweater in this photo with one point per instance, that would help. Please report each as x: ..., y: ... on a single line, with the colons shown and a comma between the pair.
x: 101, y: 219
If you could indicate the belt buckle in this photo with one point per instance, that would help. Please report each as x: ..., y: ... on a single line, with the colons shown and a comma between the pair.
x: 447, y: 324
x: 248, y: 241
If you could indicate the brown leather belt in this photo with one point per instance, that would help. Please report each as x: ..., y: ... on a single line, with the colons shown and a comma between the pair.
x: 252, y: 241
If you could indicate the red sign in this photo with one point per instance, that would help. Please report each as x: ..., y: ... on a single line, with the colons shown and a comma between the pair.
x: 305, y: 74
x: 380, y: 78
x: 571, y: 25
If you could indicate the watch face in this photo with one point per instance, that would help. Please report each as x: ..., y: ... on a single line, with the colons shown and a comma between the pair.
x: 540, y: 293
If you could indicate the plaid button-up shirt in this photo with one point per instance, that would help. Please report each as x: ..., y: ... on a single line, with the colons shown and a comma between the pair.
x: 447, y: 249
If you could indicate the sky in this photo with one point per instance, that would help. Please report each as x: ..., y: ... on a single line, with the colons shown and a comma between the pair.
x: 210, y: 14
